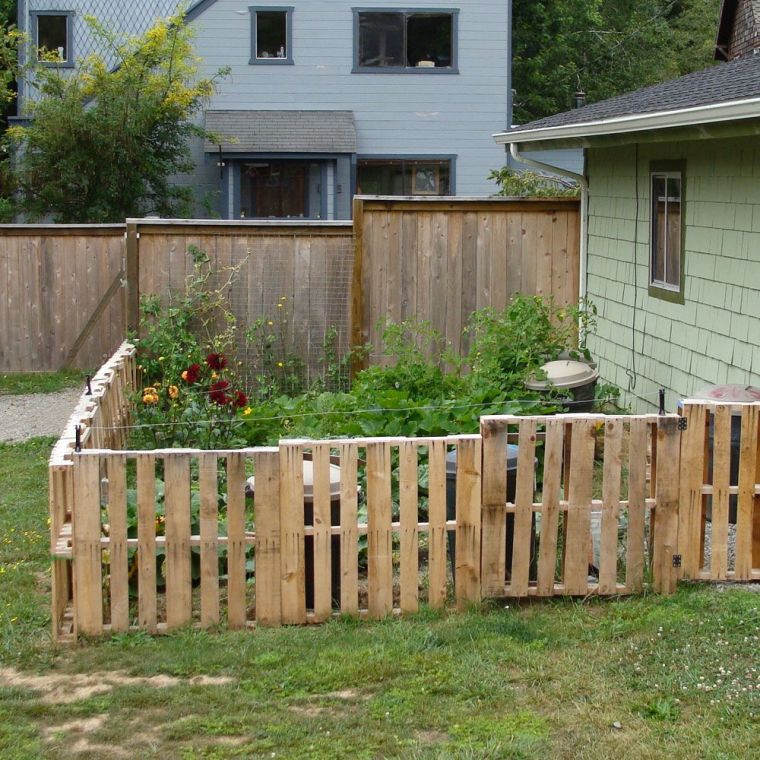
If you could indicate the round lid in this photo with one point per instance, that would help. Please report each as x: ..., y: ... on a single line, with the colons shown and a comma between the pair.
x: 564, y: 373
x: 308, y: 481
x: 512, y: 451
x: 735, y: 394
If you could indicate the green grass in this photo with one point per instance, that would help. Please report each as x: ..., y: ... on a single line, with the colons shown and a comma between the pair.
x: 648, y: 677
x: 21, y: 383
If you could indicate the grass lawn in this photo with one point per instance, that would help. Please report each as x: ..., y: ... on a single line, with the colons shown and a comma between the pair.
x: 20, y: 383
x: 651, y: 677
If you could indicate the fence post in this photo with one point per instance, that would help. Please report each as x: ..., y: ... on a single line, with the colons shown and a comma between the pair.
x: 132, y: 268
x: 690, y: 499
x: 86, y: 551
x: 666, y: 505
x: 357, y: 296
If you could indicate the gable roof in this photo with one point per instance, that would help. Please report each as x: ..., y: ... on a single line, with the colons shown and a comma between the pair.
x: 724, y: 92
x: 282, y: 131
x: 197, y: 8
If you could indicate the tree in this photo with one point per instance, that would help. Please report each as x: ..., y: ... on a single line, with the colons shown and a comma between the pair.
x: 604, y: 47
x: 104, y: 142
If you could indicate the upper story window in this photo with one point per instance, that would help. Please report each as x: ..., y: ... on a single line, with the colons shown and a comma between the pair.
x: 52, y: 33
x: 666, y: 242
x: 271, y: 34
x: 409, y: 41
x: 403, y: 176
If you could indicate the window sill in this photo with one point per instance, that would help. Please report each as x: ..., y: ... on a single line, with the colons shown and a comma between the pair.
x: 271, y: 62
x: 665, y: 294
x: 56, y: 64
x: 407, y: 70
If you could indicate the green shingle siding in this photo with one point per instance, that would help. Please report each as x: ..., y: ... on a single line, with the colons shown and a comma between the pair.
x: 714, y: 337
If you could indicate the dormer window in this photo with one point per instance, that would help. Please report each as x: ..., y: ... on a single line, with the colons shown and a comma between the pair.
x: 52, y: 35
x: 271, y: 35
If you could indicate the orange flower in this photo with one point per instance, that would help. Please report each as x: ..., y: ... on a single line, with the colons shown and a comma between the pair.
x: 173, y: 391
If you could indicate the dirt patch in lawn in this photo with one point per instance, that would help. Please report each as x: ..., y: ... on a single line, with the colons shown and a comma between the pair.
x: 65, y: 688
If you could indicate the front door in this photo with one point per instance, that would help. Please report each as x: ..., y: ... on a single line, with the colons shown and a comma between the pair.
x: 274, y: 190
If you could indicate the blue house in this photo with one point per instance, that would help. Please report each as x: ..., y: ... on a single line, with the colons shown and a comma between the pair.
x: 326, y: 98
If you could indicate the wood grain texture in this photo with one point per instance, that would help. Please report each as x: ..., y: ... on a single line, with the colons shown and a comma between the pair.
x: 468, y: 484
x: 209, y: 526
x: 409, y: 534
x: 266, y: 466
x: 379, y: 537
x: 178, y: 569
x: 437, y: 565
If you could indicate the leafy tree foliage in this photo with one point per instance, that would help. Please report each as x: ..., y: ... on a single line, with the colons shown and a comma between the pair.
x: 103, y: 141
x: 604, y: 47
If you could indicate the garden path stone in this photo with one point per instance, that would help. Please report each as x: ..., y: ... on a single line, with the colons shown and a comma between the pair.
x: 39, y: 414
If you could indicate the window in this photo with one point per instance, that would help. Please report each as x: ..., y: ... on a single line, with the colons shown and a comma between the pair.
x: 403, y: 177
x: 52, y: 35
x: 410, y: 41
x: 271, y: 34
x: 666, y: 243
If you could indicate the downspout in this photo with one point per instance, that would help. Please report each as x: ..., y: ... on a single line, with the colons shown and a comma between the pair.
x: 583, y: 182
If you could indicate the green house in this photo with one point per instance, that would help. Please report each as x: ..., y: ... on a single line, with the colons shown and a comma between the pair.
x: 670, y: 233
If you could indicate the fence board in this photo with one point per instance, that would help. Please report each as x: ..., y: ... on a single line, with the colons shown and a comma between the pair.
x: 690, y: 500
x: 637, y: 477
x: 613, y: 440
x: 117, y: 545
x: 268, y: 542
x: 579, y: 508
x: 468, y: 483
x: 552, y: 484
x: 236, y: 546
x: 323, y: 590
x: 146, y: 537
x: 437, y: 520
x: 523, y: 519
x: 88, y: 570
x: 209, y: 526
x: 178, y: 569
x: 721, y: 483
x: 666, y: 511
x: 349, y: 535
x: 494, y: 509
x: 749, y: 466
x: 379, y: 538
x: 292, y: 534
x: 409, y: 538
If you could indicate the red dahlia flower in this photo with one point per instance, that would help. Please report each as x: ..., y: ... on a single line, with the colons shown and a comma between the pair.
x: 218, y: 392
x: 240, y: 399
x: 216, y: 361
x: 190, y: 375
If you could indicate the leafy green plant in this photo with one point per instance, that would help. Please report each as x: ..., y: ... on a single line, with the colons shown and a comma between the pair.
x: 513, y: 183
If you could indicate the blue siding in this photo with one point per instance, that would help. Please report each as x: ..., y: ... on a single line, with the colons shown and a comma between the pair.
x: 396, y: 114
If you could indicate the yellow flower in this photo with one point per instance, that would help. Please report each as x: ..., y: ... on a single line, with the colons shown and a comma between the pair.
x: 214, y: 375
x: 282, y: 298
x: 247, y: 411
x: 279, y: 364
x: 173, y: 391
x: 270, y: 323
x: 279, y: 305
x: 160, y: 358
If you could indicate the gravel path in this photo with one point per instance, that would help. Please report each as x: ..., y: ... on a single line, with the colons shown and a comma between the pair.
x: 40, y: 414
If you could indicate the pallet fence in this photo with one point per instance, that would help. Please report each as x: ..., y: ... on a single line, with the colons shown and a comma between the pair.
x: 154, y: 540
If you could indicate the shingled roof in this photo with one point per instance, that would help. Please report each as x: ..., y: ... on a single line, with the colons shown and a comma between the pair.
x: 282, y: 131
x: 724, y: 83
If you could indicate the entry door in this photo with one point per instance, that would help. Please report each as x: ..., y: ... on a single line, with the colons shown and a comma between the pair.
x: 279, y: 190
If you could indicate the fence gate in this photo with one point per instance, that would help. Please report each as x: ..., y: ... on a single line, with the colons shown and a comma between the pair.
x: 719, y: 519
x: 591, y: 507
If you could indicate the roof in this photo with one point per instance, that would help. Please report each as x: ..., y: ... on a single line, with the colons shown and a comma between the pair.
x: 282, y: 131
x: 726, y: 91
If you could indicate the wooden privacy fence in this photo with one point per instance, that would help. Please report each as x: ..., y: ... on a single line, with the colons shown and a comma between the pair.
x: 71, y: 291
x: 62, y: 299
x: 441, y: 259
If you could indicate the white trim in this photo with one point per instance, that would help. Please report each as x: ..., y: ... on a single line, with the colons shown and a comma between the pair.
x: 747, y: 108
